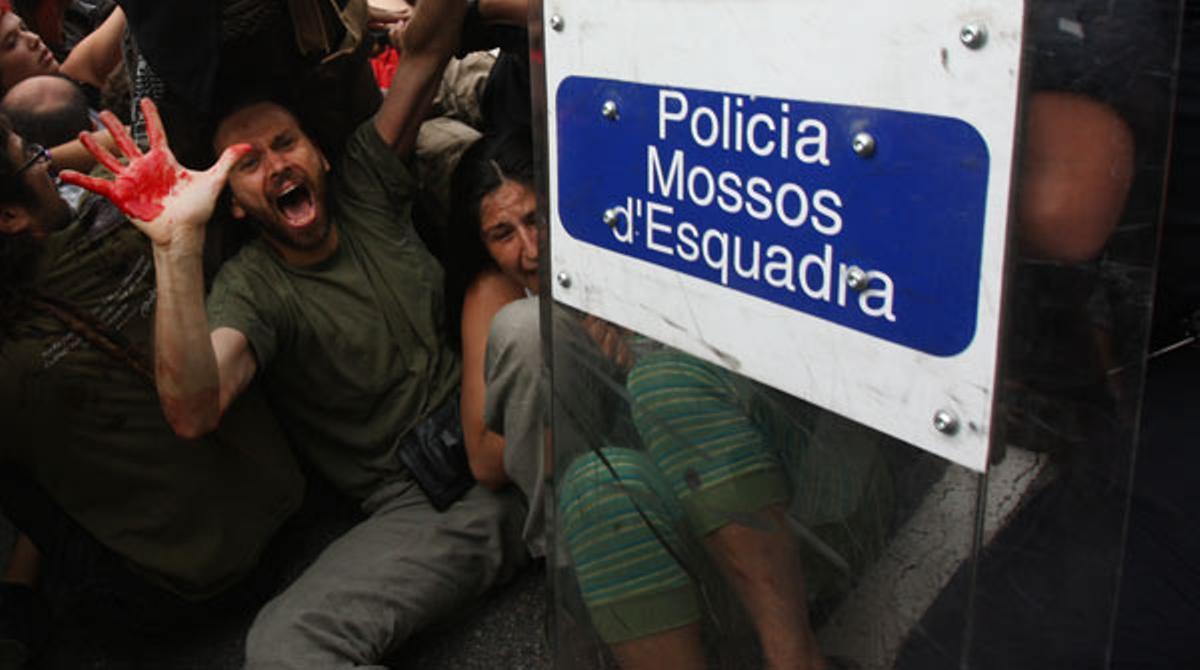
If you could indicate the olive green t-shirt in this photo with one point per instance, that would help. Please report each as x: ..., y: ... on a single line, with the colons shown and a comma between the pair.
x: 353, y: 350
x: 191, y: 515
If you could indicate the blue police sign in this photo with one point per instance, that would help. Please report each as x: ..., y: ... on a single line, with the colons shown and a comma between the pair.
x: 871, y: 219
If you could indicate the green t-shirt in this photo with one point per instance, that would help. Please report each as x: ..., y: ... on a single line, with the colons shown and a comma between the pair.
x: 353, y: 350
x: 192, y: 516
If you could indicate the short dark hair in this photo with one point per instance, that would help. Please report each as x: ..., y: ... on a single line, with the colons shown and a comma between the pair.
x: 62, y: 122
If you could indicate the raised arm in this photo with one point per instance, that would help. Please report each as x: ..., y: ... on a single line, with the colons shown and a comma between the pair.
x: 510, y: 12
x: 198, y: 374
x: 98, y: 54
x: 430, y: 38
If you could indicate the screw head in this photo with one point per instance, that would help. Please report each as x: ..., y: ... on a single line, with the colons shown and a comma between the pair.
x: 557, y: 24
x: 563, y: 279
x: 856, y: 278
x: 609, y: 110
x: 612, y: 217
x: 945, y: 422
x: 863, y: 144
x: 973, y: 36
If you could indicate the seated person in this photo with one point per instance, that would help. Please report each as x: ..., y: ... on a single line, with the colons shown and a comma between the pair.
x: 134, y: 526
x: 727, y: 465
x: 495, y: 242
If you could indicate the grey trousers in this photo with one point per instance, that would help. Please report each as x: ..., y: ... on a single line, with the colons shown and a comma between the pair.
x: 586, y: 394
x: 514, y: 407
x: 406, y: 566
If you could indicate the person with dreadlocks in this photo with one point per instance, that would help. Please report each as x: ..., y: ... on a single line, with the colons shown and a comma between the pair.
x: 133, y: 525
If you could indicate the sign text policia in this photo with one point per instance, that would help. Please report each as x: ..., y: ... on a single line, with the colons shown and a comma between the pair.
x: 840, y: 212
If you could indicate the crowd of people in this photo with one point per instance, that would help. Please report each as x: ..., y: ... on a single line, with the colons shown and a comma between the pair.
x: 273, y: 260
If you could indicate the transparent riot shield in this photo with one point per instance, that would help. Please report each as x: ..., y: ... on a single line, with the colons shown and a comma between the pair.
x: 846, y: 308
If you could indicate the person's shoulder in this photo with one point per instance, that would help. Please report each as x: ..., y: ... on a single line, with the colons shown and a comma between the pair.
x: 491, y: 287
x: 366, y: 145
x: 251, y: 274
x: 254, y: 258
x: 369, y: 166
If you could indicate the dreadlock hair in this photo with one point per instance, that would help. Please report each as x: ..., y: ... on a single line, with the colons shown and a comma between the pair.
x: 13, y: 189
x: 18, y: 251
x: 488, y: 163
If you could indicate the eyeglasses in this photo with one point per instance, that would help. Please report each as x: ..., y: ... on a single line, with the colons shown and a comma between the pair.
x: 36, y: 154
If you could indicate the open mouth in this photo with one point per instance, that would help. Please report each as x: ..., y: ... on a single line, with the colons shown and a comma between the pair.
x: 296, y: 204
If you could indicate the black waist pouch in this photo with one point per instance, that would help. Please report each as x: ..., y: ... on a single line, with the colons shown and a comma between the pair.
x: 436, y: 455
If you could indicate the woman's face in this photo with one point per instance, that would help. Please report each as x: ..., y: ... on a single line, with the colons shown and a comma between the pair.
x: 22, y: 54
x: 508, y: 226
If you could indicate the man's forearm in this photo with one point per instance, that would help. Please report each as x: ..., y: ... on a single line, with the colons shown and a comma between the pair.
x: 170, y: 205
x: 435, y: 28
x: 185, y: 363
x: 510, y: 12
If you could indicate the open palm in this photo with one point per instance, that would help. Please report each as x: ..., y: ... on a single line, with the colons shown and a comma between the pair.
x: 163, y: 199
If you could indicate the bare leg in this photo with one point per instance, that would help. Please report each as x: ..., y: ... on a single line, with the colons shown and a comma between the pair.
x: 23, y: 566
x: 764, y: 569
x: 678, y: 648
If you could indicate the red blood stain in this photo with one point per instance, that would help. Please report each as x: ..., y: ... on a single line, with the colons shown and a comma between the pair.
x: 141, y: 187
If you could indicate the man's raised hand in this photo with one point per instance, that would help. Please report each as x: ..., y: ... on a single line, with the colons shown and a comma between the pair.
x: 163, y: 199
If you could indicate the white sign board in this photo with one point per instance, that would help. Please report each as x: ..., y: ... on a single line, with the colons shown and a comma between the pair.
x: 812, y: 193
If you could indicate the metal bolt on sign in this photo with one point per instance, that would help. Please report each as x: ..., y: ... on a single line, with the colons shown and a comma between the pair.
x: 557, y: 23
x: 973, y: 36
x: 856, y: 278
x: 612, y: 217
x: 609, y: 110
x: 564, y: 279
x: 863, y: 145
x: 945, y: 422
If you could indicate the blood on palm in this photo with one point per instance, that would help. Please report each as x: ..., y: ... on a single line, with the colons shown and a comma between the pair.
x: 141, y: 187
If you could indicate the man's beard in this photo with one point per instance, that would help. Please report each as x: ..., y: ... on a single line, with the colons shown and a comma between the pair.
x: 299, y: 240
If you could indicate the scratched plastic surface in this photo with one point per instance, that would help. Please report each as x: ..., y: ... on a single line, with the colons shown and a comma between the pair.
x: 874, y: 553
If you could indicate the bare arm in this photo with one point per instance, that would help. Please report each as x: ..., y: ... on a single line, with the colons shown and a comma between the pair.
x: 490, y: 292
x: 1076, y: 168
x: 511, y: 12
x: 98, y: 54
x: 430, y: 38
x: 198, y: 374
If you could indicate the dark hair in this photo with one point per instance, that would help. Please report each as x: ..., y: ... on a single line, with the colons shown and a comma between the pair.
x: 13, y: 189
x: 18, y: 250
x: 489, y: 162
x: 52, y: 126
